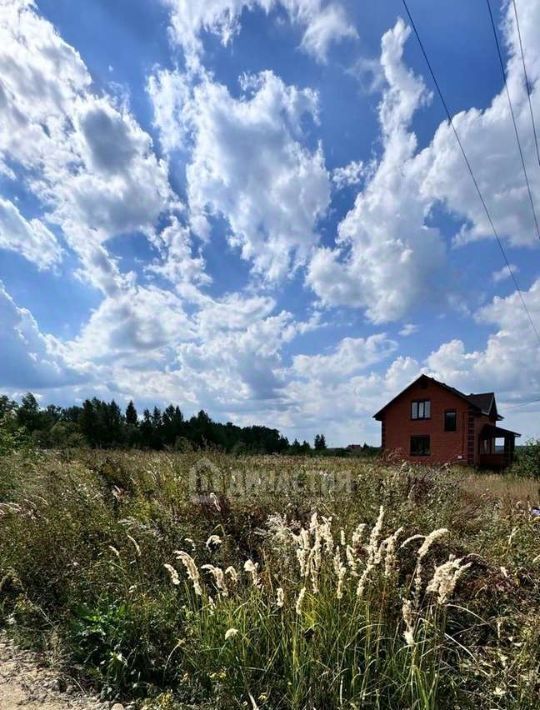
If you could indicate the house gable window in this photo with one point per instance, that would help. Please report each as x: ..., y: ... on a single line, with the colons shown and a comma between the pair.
x: 421, y: 409
x: 420, y: 446
x: 450, y: 420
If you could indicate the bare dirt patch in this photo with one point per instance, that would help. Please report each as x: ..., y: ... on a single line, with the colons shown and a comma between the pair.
x: 27, y: 683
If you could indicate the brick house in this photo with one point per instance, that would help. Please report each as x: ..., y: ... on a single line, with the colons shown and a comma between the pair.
x: 430, y: 422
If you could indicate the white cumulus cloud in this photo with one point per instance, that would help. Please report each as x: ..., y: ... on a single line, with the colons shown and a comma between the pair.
x: 387, y: 259
x: 323, y: 22
x: 249, y: 165
x: 31, y: 238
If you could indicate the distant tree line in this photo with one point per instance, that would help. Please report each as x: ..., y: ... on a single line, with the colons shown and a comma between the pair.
x: 100, y: 424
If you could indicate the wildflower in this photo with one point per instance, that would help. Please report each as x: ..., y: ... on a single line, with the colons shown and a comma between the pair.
x: 342, y: 540
x: 213, y: 541
x: 280, y: 600
x: 230, y: 633
x: 252, y: 568
x: 191, y: 569
x: 299, y: 600
x: 175, y: 579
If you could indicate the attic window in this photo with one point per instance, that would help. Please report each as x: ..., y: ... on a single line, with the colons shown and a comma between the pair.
x: 421, y: 409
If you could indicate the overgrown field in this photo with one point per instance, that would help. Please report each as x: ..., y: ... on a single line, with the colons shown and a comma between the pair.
x: 273, y: 582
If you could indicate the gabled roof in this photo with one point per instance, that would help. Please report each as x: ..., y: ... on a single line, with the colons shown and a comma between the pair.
x: 483, y: 402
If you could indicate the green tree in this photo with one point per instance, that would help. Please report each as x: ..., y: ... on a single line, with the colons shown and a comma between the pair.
x: 172, y: 425
x: 146, y: 430
x: 131, y: 414
x: 320, y: 442
x: 8, y: 407
x: 88, y: 422
x: 29, y: 414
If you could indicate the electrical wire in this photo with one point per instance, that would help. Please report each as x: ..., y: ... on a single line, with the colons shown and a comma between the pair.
x: 469, y: 168
x: 512, y: 114
x: 527, y: 85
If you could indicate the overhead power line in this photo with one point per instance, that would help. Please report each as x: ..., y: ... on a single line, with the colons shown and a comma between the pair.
x: 469, y: 168
x: 527, y: 85
x: 512, y: 114
x: 521, y: 405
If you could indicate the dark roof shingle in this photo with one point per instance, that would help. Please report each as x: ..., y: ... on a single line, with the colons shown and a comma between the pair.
x: 483, y: 400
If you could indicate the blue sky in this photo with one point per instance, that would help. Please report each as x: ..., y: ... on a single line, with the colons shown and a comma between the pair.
x: 257, y: 208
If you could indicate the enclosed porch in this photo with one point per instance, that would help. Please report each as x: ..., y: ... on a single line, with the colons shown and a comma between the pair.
x: 496, y: 447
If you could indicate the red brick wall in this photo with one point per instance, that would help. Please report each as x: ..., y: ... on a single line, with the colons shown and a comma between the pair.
x: 446, y: 446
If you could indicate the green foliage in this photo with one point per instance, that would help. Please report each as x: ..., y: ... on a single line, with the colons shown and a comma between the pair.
x: 12, y: 438
x: 103, y: 425
x: 319, y: 443
x: 527, y: 461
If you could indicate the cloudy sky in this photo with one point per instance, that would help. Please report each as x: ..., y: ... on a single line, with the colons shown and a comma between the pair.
x: 256, y: 207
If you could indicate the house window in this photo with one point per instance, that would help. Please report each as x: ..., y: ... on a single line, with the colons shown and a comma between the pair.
x: 421, y: 409
x: 450, y: 420
x: 420, y: 446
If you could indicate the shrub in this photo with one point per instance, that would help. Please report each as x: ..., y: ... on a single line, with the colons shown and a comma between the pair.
x: 528, y: 459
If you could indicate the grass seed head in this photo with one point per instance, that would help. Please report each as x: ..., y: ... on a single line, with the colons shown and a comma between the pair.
x: 252, y: 568
x: 407, y: 614
x: 191, y: 569
x: 213, y: 542
x: 175, y: 579
x: 219, y: 578
x: 429, y: 540
x: 300, y: 600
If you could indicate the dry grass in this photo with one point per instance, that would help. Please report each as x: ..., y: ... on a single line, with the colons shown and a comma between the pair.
x: 266, y: 582
x: 502, y: 488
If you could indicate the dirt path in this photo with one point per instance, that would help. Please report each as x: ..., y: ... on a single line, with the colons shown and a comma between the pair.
x: 24, y: 683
